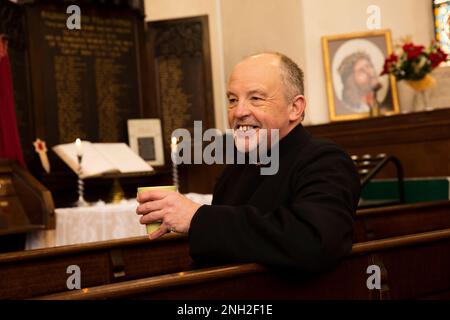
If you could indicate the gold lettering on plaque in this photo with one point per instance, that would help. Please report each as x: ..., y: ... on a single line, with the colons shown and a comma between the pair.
x: 69, y: 72
x: 100, y: 50
x: 175, y: 103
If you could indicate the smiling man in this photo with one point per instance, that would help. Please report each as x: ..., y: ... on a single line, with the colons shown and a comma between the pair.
x: 263, y: 95
x: 302, y: 216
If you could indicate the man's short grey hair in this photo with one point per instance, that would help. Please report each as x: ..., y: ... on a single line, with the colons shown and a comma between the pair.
x: 292, y: 76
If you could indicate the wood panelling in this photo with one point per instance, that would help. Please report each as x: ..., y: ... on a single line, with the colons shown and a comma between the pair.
x: 420, y: 140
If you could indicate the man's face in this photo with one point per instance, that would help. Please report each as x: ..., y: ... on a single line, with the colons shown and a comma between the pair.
x: 365, y: 75
x: 256, y: 100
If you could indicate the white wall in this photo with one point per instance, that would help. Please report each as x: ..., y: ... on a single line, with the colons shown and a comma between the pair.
x: 327, y: 17
x: 252, y: 26
x: 294, y: 27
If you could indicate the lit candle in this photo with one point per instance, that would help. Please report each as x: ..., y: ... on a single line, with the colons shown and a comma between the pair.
x: 78, y: 146
x: 173, y: 145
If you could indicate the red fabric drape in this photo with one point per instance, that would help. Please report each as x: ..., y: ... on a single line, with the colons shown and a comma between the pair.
x: 9, y: 136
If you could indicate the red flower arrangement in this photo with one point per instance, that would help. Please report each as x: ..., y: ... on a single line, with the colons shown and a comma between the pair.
x: 414, y: 62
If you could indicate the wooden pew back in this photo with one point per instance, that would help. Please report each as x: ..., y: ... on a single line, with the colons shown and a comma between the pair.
x: 413, y: 267
x: 380, y: 223
x: 32, y: 273
x: 41, y: 272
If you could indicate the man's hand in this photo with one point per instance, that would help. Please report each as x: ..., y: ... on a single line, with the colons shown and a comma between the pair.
x: 173, y: 209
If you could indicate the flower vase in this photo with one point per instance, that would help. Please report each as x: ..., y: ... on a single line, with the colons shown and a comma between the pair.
x: 420, y: 87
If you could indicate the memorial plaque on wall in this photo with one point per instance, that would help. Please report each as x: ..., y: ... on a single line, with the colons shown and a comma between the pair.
x: 180, y: 71
x: 85, y: 82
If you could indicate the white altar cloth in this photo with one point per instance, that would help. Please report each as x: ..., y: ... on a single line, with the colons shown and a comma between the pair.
x: 95, y: 223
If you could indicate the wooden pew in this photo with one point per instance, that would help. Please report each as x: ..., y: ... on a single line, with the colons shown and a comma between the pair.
x: 379, y: 223
x: 43, y: 271
x: 413, y: 267
x: 40, y: 272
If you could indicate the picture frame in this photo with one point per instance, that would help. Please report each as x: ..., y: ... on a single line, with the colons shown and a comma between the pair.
x: 145, y: 139
x: 353, y: 63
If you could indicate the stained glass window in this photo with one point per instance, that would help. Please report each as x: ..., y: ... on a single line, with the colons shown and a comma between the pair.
x: 442, y: 23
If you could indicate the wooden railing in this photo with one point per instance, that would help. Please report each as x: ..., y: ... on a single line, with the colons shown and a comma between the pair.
x: 252, y: 278
x: 379, y: 223
x: 41, y: 272
x: 36, y: 272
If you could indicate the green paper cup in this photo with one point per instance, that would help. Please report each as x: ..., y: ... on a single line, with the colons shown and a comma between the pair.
x: 153, y: 226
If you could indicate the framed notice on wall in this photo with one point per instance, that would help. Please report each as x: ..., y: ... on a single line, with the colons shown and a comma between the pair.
x: 145, y: 139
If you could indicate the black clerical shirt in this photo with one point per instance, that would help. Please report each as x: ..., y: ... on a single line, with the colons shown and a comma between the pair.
x: 301, y: 217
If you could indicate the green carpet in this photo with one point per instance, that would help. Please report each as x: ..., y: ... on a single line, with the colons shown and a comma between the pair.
x: 416, y: 189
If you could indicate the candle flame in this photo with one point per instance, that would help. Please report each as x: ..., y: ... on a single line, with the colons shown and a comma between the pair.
x: 174, y: 140
x: 78, y: 147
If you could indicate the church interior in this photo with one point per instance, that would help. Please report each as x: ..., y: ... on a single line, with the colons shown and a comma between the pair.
x: 92, y: 91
